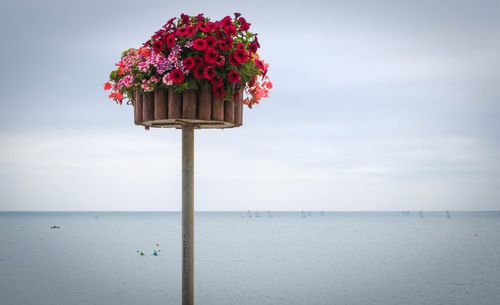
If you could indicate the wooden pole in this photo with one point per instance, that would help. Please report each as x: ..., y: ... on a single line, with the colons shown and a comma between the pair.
x: 188, y: 214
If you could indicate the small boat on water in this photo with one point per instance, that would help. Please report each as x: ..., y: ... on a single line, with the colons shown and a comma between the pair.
x: 303, y: 213
x: 448, y: 214
x: 269, y: 214
x: 421, y: 214
x: 249, y: 213
x: 55, y: 227
x: 257, y: 213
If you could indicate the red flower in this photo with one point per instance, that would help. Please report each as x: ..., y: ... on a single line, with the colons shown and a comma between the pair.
x: 233, y: 77
x: 240, y: 46
x: 170, y: 41
x: 233, y: 61
x: 211, y: 42
x: 191, y: 30
x: 189, y: 63
x: 184, y: 18
x: 240, y: 56
x: 117, y: 96
x: 107, y: 86
x: 209, y: 72
x: 158, y: 46
x: 244, y: 25
x: 236, y: 15
x: 226, y: 44
x: 220, y: 34
x: 198, y: 61
x: 169, y: 23
x: 252, y: 47
x: 226, y: 21
x: 202, y: 26
x: 217, y: 82
x: 260, y: 65
x: 199, y: 44
x: 220, y: 61
x: 230, y: 30
x: 176, y: 76
x: 200, y: 17
x: 187, y: 31
x: 218, y: 91
x: 211, y: 56
x: 198, y: 72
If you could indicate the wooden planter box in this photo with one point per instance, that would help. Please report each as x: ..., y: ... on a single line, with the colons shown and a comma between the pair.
x: 167, y: 108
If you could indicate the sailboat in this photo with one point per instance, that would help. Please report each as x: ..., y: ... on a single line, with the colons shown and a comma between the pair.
x: 421, y: 214
x: 269, y: 214
x: 448, y: 214
x: 249, y: 213
x: 303, y: 213
x: 257, y: 213
x: 322, y: 213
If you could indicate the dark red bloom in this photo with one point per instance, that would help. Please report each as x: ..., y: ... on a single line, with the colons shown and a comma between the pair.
x: 233, y: 77
x: 198, y: 72
x: 256, y: 41
x: 218, y: 91
x: 220, y: 61
x: 199, y: 44
x: 226, y: 44
x: 244, y: 25
x: 226, y: 21
x: 240, y: 56
x: 169, y: 23
x: 211, y: 42
x: 202, y: 26
x: 240, y: 46
x: 200, y: 17
x: 170, y: 41
x: 176, y: 76
x: 236, y: 15
x: 188, y: 63
x: 187, y: 31
x: 260, y: 65
x: 198, y: 60
x: 233, y: 61
x: 217, y: 82
x: 252, y: 47
x: 211, y: 56
x: 191, y: 30
x: 230, y: 30
x: 184, y: 18
x: 209, y: 72
x: 220, y: 34
x: 158, y: 46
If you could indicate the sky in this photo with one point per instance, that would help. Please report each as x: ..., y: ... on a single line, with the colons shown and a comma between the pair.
x: 376, y: 106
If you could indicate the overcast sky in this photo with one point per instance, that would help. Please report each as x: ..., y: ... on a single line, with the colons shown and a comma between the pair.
x: 377, y: 105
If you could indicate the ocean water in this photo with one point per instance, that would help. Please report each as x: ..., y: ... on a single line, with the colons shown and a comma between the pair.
x: 339, y: 258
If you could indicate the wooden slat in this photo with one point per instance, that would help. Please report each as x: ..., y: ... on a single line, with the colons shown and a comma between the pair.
x: 205, y: 104
x: 137, y: 107
x: 174, y: 104
x: 217, y: 108
x: 238, y: 108
x: 148, y: 109
x: 229, y: 111
x: 161, y: 104
x: 189, y: 100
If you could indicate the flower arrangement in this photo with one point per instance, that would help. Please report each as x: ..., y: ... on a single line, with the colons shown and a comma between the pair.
x: 192, y: 52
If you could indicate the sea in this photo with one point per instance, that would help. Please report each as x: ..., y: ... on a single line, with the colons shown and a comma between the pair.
x: 277, y: 258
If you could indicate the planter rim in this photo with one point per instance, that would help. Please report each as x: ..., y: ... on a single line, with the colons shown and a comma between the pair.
x: 198, y: 124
